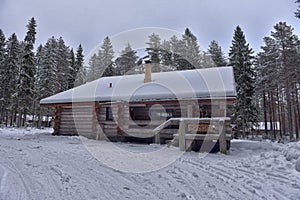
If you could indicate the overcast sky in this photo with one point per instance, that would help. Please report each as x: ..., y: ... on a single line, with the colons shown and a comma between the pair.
x: 89, y: 21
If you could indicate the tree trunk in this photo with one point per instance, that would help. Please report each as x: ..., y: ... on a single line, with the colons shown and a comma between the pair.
x: 279, y: 113
x: 296, y: 114
x: 265, y: 113
x: 288, y: 93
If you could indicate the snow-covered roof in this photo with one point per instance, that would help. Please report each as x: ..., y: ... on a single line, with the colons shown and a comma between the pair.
x: 189, y: 84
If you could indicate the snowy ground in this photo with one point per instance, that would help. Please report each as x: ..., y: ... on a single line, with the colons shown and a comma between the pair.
x: 36, y: 165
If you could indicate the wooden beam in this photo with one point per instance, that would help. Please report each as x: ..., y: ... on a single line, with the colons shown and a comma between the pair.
x: 222, y: 138
x: 182, y: 146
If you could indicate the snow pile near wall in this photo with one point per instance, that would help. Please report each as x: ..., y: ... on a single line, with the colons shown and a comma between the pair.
x: 24, y: 131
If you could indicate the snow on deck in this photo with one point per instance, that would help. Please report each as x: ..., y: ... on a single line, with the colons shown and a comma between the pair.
x: 41, y: 166
x: 189, y: 84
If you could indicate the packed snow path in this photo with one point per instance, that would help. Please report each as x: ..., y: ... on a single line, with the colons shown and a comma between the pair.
x: 41, y: 166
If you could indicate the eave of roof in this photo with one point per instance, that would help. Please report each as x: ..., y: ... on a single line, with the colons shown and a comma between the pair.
x: 209, y: 83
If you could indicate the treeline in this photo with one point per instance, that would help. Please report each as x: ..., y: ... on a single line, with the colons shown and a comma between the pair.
x: 278, y: 81
x: 175, y: 54
x: 267, y: 83
x: 27, y: 76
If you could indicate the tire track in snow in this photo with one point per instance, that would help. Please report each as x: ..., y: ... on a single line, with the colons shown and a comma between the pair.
x: 225, y: 177
x: 3, y: 181
x: 248, y: 177
x: 260, y: 178
x: 15, y: 171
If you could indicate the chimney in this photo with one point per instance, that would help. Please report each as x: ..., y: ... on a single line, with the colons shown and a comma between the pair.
x: 148, y: 71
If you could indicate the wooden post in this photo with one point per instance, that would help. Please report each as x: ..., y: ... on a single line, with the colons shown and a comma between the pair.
x: 119, y: 119
x: 190, y: 111
x: 57, y: 120
x: 157, y: 138
x: 222, y: 137
x: 182, y: 136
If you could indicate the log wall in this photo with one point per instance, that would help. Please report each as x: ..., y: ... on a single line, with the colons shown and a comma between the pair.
x: 131, y: 119
x: 76, y: 120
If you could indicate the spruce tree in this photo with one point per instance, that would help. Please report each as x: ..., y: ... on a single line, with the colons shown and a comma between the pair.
x: 12, y: 64
x: 178, y: 49
x: 101, y: 64
x: 240, y: 57
x: 106, y: 59
x: 47, y: 80
x: 27, y: 71
x: 62, y: 64
x: 79, y: 68
x: 192, y: 51
x: 166, y: 54
x: 126, y: 63
x: 154, y: 51
x: 72, y: 69
x: 215, y: 52
x: 297, y: 13
x: 2, y: 73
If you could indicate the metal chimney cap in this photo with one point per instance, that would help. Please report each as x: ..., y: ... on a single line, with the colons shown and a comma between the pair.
x: 147, y: 61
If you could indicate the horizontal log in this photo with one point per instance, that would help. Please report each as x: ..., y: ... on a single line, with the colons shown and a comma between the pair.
x: 110, y: 126
x: 110, y: 131
x: 144, y: 122
x: 77, y: 116
x: 108, y: 122
x: 78, y: 126
x: 202, y: 136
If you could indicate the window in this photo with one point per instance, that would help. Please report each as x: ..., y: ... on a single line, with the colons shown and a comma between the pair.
x: 109, y: 115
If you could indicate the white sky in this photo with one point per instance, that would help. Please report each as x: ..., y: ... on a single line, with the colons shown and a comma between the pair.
x: 88, y: 22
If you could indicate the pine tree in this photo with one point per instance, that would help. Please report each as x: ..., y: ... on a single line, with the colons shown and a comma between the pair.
x: 241, y: 59
x: 215, y: 52
x: 126, y: 63
x: 27, y: 71
x: 268, y: 83
x: 288, y: 47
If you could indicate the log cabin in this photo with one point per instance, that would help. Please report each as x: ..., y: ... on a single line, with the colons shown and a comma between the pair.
x: 132, y: 106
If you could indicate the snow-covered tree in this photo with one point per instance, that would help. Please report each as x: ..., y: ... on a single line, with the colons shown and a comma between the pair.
x: 127, y: 61
x: 216, y: 54
x: 192, y: 52
x: 297, y: 13
x: 166, y: 53
x: 79, y: 68
x: 101, y: 64
x: 27, y: 70
x: 63, y: 64
x: 107, y: 56
x: 288, y: 47
x: 47, y: 80
x: 241, y: 58
x: 72, y: 69
x: 154, y: 51
x: 12, y: 65
x: 2, y: 73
